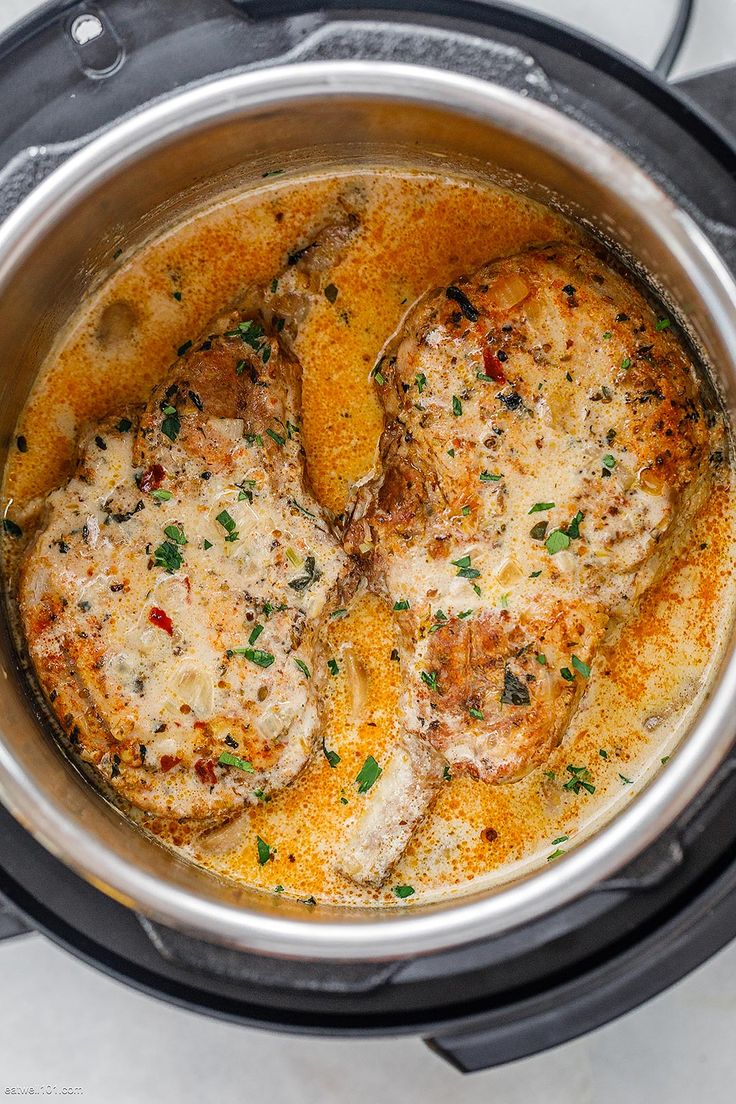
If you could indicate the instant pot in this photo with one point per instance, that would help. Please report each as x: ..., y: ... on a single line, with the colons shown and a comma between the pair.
x: 118, y: 117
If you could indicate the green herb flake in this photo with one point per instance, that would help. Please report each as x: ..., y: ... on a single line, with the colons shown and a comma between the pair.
x: 184, y: 348
x: 403, y: 891
x: 560, y: 839
x: 489, y: 477
x: 207, y: 544
x: 557, y: 541
x: 626, y: 781
x: 276, y: 437
x: 477, y: 713
x: 541, y: 658
x: 255, y: 633
x: 402, y: 604
x: 626, y: 363
x: 368, y: 775
x: 607, y: 335
x: 168, y: 556
x: 446, y: 776
x: 311, y: 574
x: 663, y: 324
x: 665, y: 759
x: 580, y: 779
x: 451, y: 452
x: 580, y: 667
x: 609, y: 461
x: 331, y: 756
x: 603, y: 753
x: 161, y: 496
x: 333, y: 667
x: 176, y: 295
x: 264, y: 851
x: 538, y: 507
x: 338, y: 614
x: 255, y: 655
x: 464, y: 568
x: 457, y: 406
x: 303, y: 668
x: 555, y: 854
x: 429, y: 678
x: 176, y: 534
x: 124, y: 425
x: 421, y: 382
x: 228, y: 524
x: 567, y: 674
x: 227, y: 759
x: 171, y: 424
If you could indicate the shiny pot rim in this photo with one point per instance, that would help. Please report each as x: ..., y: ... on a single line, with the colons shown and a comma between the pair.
x: 458, y: 921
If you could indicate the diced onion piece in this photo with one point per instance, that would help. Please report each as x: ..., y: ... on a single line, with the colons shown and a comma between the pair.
x: 509, y: 572
x: 506, y: 291
x: 652, y: 482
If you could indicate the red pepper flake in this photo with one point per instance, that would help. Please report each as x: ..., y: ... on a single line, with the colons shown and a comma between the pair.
x: 187, y: 584
x: 161, y: 620
x: 492, y: 366
x: 169, y: 761
x: 205, y: 769
x: 152, y: 478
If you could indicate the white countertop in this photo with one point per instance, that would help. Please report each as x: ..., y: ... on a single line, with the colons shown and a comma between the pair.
x: 64, y: 1024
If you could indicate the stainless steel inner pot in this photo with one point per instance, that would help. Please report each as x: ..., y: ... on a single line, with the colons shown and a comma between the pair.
x: 150, y: 169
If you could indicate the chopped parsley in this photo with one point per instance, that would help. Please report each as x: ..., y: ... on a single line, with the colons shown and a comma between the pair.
x: 429, y: 678
x: 557, y: 541
x: 580, y: 779
x: 255, y: 655
x: 276, y: 437
x: 560, y: 839
x: 538, y: 507
x: 264, y: 851
x: 626, y: 363
x: 124, y: 425
x: 402, y: 604
x: 176, y: 534
x: 573, y: 529
x: 603, y: 753
x: 207, y: 544
x: 609, y: 461
x: 171, y: 424
x: 303, y: 668
x: 331, y: 756
x: 581, y: 667
x: 663, y: 324
x: 446, y: 776
x: 421, y: 382
x: 567, y: 674
x: 252, y: 333
x: 184, y: 348
x: 488, y: 477
x: 338, y: 614
x: 333, y: 667
x: 168, y: 556
x: 555, y: 854
x: 464, y: 568
x: 626, y: 781
x: 368, y: 775
x: 227, y: 759
x: 161, y: 496
x: 541, y: 658
x: 477, y: 713
x: 403, y: 891
x: 255, y: 633
x: 228, y: 524
x: 457, y: 406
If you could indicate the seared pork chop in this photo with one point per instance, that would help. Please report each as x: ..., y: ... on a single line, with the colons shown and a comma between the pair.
x: 173, y: 599
x: 545, y: 441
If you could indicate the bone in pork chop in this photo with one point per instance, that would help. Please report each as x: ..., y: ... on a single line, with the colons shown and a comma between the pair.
x: 173, y: 599
x: 545, y: 441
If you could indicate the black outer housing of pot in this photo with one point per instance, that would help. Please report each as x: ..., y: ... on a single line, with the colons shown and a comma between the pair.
x: 613, y: 948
